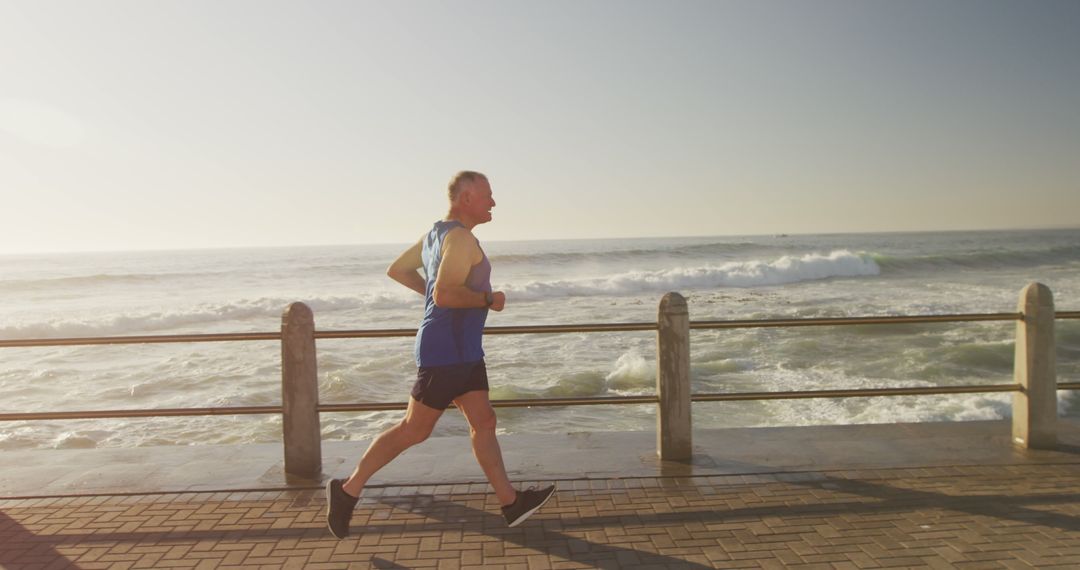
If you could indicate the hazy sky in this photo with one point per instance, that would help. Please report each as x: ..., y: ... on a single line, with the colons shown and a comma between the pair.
x: 136, y: 125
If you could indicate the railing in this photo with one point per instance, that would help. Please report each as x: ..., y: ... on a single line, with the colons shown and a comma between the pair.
x: 1034, y: 401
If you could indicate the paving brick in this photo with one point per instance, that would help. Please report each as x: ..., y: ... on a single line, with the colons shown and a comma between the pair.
x: 976, y: 517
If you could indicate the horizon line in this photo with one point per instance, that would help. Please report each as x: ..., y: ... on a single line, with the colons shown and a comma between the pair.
x: 388, y: 243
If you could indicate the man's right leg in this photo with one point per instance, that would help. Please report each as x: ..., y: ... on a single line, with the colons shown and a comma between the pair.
x: 341, y: 496
x: 516, y: 505
x: 477, y: 409
x: 419, y: 420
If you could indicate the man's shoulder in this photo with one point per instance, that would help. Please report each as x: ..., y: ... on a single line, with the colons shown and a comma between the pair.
x: 463, y: 244
x: 460, y: 234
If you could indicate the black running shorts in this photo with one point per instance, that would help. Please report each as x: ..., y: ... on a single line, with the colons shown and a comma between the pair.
x: 437, y: 386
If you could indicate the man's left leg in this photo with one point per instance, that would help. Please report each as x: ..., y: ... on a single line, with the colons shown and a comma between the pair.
x: 341, y: 496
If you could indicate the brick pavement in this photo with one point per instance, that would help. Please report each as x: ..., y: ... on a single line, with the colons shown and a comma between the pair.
x: 1015, y: 516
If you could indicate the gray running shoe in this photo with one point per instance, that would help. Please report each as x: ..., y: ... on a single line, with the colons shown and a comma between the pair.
x: 339, y: 508
x: 527, y: 502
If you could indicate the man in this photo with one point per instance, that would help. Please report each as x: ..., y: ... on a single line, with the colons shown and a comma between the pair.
x: 456, y: 286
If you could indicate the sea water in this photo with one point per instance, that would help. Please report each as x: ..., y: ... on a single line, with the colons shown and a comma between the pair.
x: 546, y: 282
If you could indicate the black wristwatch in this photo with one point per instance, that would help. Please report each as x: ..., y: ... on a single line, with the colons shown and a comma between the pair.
x: 489, y: 298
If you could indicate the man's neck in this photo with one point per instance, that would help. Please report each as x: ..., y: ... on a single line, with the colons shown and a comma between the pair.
x: 462, y: 219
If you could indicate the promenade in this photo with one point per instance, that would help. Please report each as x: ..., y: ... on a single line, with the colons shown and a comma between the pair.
x: 953, y: 495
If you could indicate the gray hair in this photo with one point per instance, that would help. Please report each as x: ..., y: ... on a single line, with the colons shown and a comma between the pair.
x: 458, y: 182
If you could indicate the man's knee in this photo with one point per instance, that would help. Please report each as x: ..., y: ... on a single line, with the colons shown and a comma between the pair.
x: 485, y: 423
x: 415, y: 432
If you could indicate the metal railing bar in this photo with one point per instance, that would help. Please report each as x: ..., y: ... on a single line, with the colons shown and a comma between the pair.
x: 595, y: 327
x: 357, y: 407
x: 512, y: 403
x: 532, y: 329
x: 732, y: 324
x: 517, y: 329
x: 583, y: 401
x: 142, y: 413
x: 863, y: 393
x: 145, y: 339
x: 834, y: 321
x: 364, y: 407
x: 532, y: 402
x: 366, y: 333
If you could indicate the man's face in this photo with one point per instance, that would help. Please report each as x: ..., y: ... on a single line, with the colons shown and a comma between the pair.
x: 479, y: 202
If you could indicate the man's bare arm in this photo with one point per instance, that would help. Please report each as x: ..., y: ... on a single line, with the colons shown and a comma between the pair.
x: 460, y: 253
x: 405, y: 268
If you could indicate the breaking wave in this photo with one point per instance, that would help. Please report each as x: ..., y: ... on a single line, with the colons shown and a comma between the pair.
x: 146, y: 321
x: 606, y: 255
x: 754, y: 273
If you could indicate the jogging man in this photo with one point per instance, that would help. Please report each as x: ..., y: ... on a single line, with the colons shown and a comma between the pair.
x: 456, y: 286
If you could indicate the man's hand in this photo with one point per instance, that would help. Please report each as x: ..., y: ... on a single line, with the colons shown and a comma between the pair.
x: 499, y: 301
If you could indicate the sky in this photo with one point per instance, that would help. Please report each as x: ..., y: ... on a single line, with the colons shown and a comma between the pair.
x: 192, y: 124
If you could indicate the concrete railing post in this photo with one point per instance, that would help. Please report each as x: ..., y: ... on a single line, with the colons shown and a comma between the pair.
x: 300, y: 393
x: 1035, y: 406
x: 673, y: 379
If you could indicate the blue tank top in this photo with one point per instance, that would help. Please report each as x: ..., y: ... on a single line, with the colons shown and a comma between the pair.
x: 450, y: 336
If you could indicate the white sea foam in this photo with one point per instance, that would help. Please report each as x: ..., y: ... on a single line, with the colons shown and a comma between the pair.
x: 827, y: 411
x: 632, y: 374
x: 752, y: 273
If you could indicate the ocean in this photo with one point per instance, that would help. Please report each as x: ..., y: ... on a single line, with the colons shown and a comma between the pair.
x: 547, y: 282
